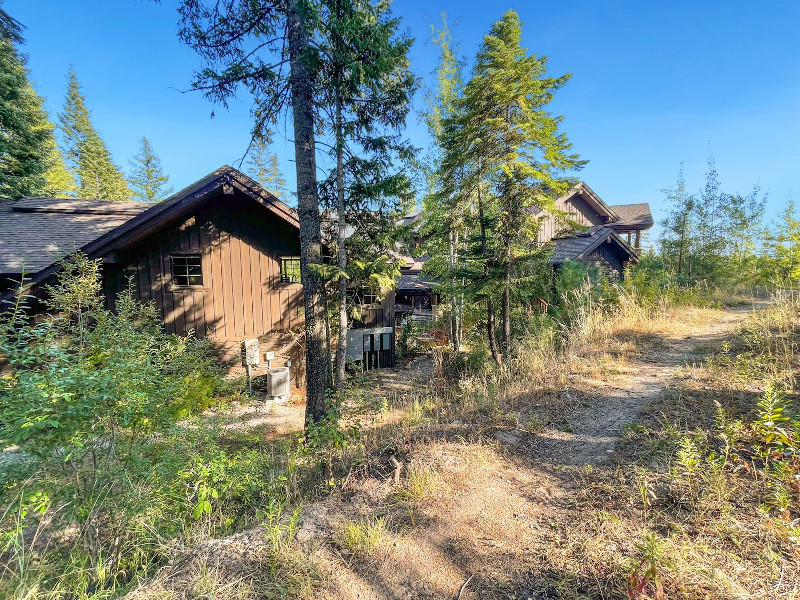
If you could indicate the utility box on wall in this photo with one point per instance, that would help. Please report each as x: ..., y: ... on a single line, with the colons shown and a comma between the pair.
x: 373, y: 347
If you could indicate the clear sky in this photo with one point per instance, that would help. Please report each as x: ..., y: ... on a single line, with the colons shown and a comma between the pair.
x: 654, y: 84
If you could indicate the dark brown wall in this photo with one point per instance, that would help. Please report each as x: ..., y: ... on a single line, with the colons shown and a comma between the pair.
x: 378, y: 315
x: 579, y: 211
x: 605, y: 256
x: 241, y: 296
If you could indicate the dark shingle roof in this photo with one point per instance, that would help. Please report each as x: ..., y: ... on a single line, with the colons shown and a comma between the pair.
x: 414, y: 283
x: 572, y: 248
x: 80, y: 206
x: 35, y: 232
x: 633, y: 215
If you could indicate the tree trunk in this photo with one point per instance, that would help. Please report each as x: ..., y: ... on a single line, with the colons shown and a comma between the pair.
x: 507, y: 301
x: 490, y: 330
x: 317, y: 362
x: 455, y: 324
x: 341, y: 347
x: 490, y: 334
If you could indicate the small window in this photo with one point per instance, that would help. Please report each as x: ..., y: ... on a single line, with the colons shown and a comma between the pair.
x: 187, y: 270
x: 290, y: 269
x: 369, y: 295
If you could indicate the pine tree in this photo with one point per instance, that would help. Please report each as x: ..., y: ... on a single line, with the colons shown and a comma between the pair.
x: 59, y: 181
x: 263, y: 166
x: 527, y: 156
x: 445, y: 223
x: 508, y: 157
x: 147, y: 179
x: 250, y: 45
x: 365, y: 91
x: 25, y: 132
x: 86, y: 152
x: 10, y: 28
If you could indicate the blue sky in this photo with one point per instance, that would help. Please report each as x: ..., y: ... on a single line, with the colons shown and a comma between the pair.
x: 654, y: 84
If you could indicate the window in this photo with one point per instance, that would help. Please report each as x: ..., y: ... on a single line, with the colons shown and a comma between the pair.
x: 369, y: 295
x: 187, y: 269
x: 290, y: 269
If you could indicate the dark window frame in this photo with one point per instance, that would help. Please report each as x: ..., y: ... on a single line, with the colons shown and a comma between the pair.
x: 186, y: 270
x: 290, y: 271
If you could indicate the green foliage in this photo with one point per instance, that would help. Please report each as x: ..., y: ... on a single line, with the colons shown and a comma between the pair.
x: 59, y: 181
x: 780, y: 264
x: 27, y: 134
x: 571, y: 276
x: 263, y: 166
x: 84, y: 392
x: 774, y: 423
x: 147, y: 179
x: 504, y: 162
x: 710, y: 236
x: 361, y: 538
x: 86, y: 152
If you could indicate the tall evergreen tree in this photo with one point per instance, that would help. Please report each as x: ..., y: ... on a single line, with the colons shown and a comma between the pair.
x: 527, y: 155
x: 445, y: 222
x: 86, y: 152
x: 59, y: 181
x: 507, y: 155
x: 245, y: 44
x: 148, y: 181
x: 262, y: 164
x: 365, y: 93
x: 25, y: 133
x: 10, y: 28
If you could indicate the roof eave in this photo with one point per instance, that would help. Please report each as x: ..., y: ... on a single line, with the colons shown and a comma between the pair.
x: 176, y: 204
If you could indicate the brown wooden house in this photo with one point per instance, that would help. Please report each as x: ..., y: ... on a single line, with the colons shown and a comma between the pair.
x: 608, y: 237
x: 219, y: 258
x: 585, y: 229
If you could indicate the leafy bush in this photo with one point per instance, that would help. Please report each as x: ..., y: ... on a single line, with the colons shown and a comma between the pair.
x: 85, y: 393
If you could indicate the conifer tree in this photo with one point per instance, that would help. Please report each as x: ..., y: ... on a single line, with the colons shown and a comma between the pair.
x: 25, y: 132
x: 365, y: 92
x: 10, y: 28
x: 148, y: 181
x: 266, y: 48
x: 59, y: 181
x: 263, y: 166
x: 525, y: 154
x: 86, y: 152
x: 445, y: 223
x: 506, y: 154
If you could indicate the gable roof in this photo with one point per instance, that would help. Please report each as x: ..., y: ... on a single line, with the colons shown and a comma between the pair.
x: 579, y: 246
x: 97, y: 227
x: 588, y: 194
x: 633, y: 215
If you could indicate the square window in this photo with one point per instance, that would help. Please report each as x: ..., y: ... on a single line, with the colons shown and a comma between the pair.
x: 187, y: 270
x: 290, y: 269
x: 369, y: 295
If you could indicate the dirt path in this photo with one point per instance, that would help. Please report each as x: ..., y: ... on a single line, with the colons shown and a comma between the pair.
x: 595, y: 428
x: 476, y: 518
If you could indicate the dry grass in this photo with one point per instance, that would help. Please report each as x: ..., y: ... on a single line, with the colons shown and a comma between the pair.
x: 479, y: 511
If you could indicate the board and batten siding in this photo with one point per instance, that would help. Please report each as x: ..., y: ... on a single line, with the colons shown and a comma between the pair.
x: 605, y: 257
x: 578, y: 210
x: 240, y: 244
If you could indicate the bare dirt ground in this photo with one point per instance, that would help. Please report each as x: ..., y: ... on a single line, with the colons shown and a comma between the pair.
x: 495, y: 514
x: 495, y: 520
x: 594, y: 429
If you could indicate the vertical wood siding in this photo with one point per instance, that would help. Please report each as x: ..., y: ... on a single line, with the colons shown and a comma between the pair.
x: 578, y: 210
x: 240, y: 244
